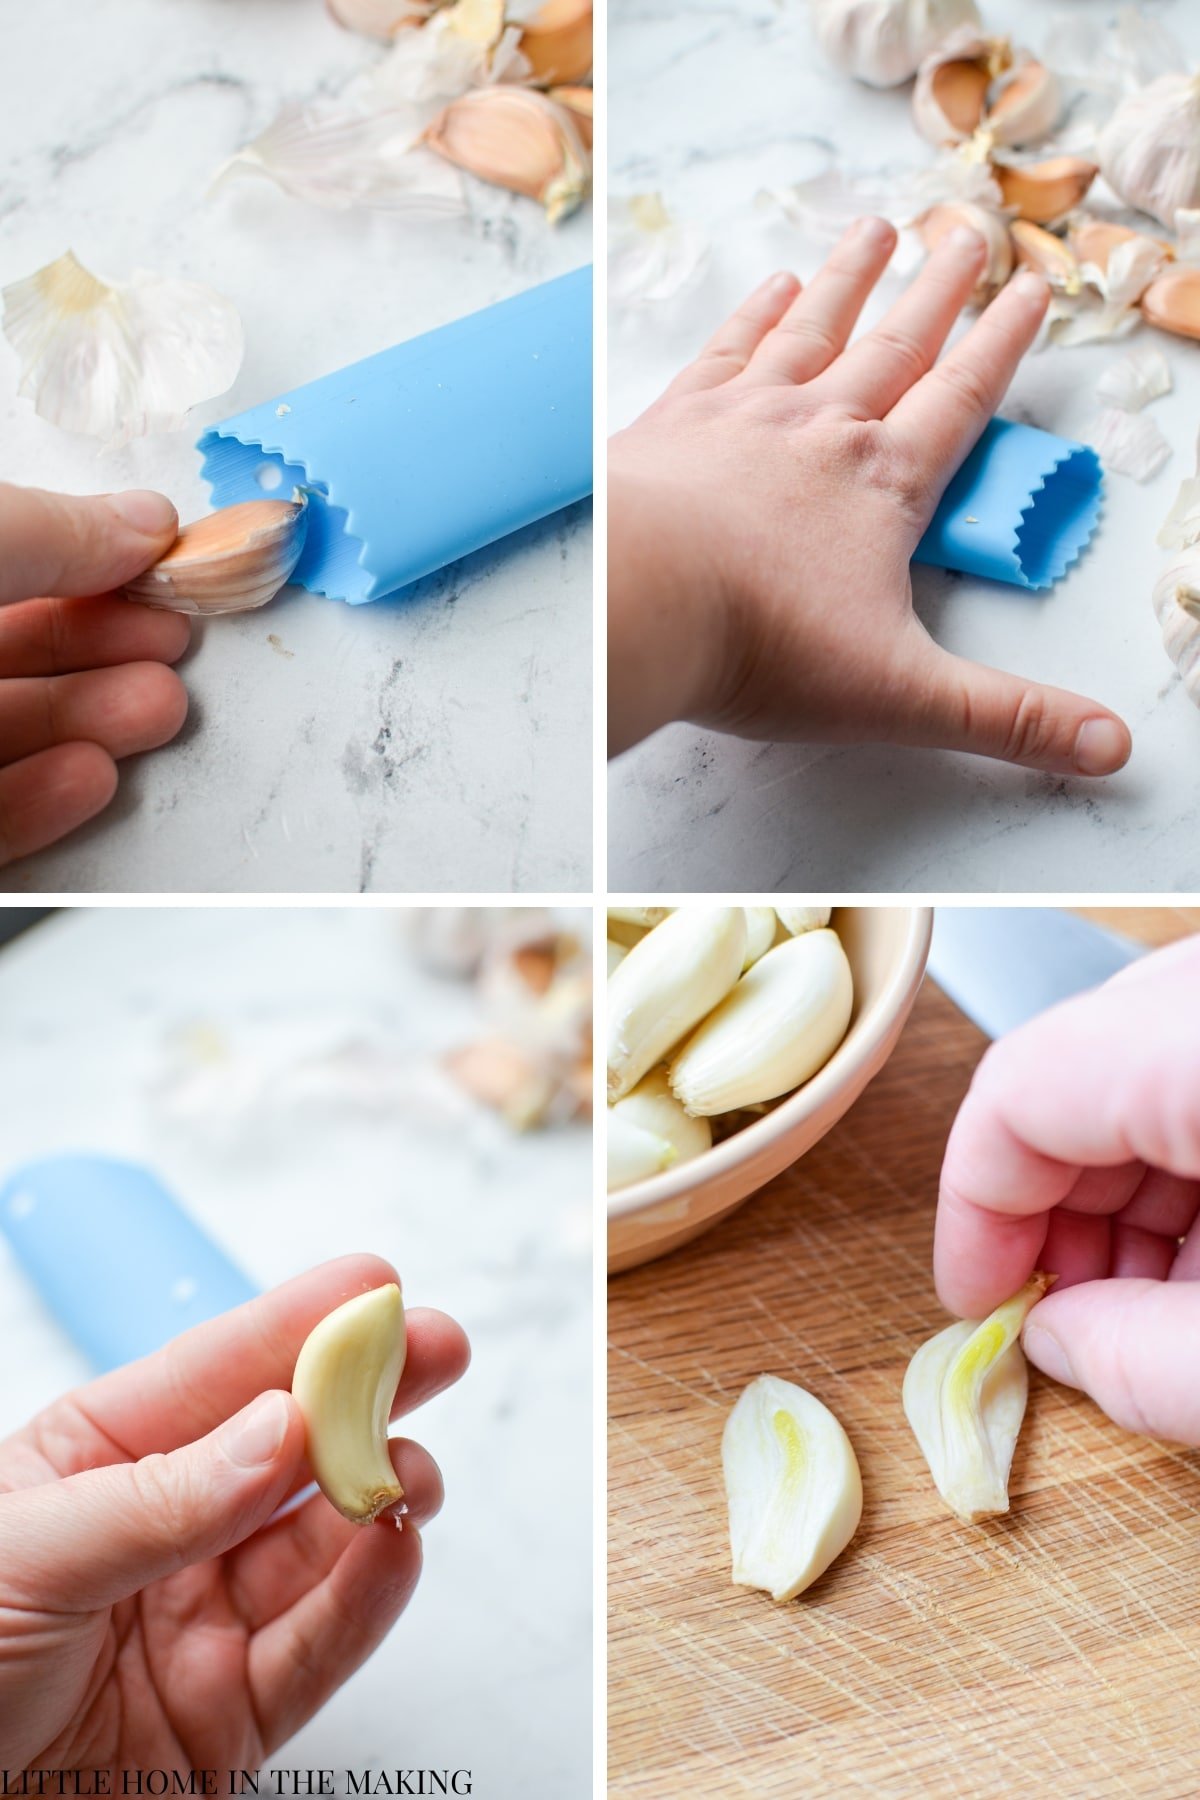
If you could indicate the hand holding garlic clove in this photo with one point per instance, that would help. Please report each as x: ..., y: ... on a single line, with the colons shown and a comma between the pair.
x: 232, y: 561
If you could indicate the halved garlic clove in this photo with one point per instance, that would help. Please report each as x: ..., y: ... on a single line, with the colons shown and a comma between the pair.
x: 1045, y: 191
x: 557, y: 41
x: 793, y: 1484
x: 344, y: 1383
x: 232, y: 561
x: 776, y: 1028
x: 803, y: 918
x: 934, y: 225
x: 1037, y: 248
x: 652, y: 1109
x: 964, y: 1396
x: 516, y: 138
x: 760, y: 932
x: 1027, y: 107
x: 669, y: 981
x: 1172, y: 301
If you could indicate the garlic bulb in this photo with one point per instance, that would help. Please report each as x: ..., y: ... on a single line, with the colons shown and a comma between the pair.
x: 883, y: 42
x: 1176, y: 601
x: 934, y: 224
x: 232, y: 561
x: 1150, y: 148
x: 652, y: 1108
x: 115, y: 360
x: 516, y: 138
x: 793, y: 1485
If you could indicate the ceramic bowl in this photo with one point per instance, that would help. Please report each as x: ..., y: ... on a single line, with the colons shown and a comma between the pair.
x: 887, y: 947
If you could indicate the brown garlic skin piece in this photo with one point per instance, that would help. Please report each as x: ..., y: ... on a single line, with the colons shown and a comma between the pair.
x: 232, y: 561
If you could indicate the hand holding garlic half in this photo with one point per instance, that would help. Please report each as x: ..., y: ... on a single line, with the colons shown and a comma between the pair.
x: 711, y: 1011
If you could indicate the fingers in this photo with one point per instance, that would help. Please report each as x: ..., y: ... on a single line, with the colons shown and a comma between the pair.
x: 1132, y: 1345
x: 126, y: 710
x: 876, y: 371
x: 60, y: 544
x: 47, y: 795
x: 943, y: 415
x: 816, y: 327
x: 730, y: 349
x: 59, y: 637
x: 147, y: 1520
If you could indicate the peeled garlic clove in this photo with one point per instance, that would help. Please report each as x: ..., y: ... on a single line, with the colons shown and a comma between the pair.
x: 1027, y: 107
x: 232, y: 561
x: 1172, y: 301
x: 776, y: 1028
x: 652, y: 1108
x: 1045, y: 191
x: 638, y: 915
x: 1150, y: 148
x: 669, y: 981
x: 964, y: 1396
x: 803, y: 918
x: 634, y: 1153
x: 1039, y: 249
x: 952, y: 84
x: 883, y: 42
x: 557, y: 41
x: 760, y: 932
x: 1176, y: 601
x: 616, y: 954
x: 344, y: 1383
x: 934, y: 224
x: 517, y: 139
x: 793, y: 1484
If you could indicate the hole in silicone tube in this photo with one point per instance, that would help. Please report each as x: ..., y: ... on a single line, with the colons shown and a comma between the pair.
x: 269, y: 476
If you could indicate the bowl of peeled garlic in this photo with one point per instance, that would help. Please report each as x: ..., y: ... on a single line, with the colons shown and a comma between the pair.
x: 736, y: 1038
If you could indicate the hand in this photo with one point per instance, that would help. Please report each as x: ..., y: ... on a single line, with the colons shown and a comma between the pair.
x: 147, y: 1618
x: 763, y: 514
x: 1077, y: 1150
x: 82, y: 676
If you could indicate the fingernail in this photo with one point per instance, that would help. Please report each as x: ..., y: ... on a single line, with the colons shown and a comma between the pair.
x: 963, y: 238
x: 1101, y: 746
x: 1047, y: 1354
x: 1028, y: 281
x: 146, y: 511
x: 872, y: 230
x: 781, y: 283
x: 255, y: 1436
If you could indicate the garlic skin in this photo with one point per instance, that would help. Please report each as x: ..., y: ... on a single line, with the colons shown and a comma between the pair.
x: 1027, y: 107
x: 344, y: 1383
x: 116, y: 360
x: 376, y: 18
x: 669, y: 981
x: 1140, y: 376
x: 776, y: 1028
x: 652, y: 256
x: 345, y: 159
x: 1150, y: 148
x: 964, y: 1396
x: 883, y: 42
x: 1129, y: 444
x: 232, y: 561
x: 1176, y: 600
x: 793, y: 1485
x: 651, y: 1108
x: 516, y: 138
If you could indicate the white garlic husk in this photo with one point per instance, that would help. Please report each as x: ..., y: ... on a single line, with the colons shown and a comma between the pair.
x: 883, y: 42
x: 1027, y: 107
x: 652, y: 1109
x: 1150, y: 148
x: 652, y: 255
x: 115, y: 360
x: 1176, y: 600
x: 345, y: 157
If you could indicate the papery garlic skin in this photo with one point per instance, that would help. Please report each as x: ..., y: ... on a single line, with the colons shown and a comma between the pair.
x: 232, y: 561
x: 634, y: 1153
x: 883, y: 42
x: 964, y: 1396
x: 774, y: 1030
x: 793, y: 1485
x: 1027, y: 107
x: 1129, y: 444
x: 1139, y: 377
x: 652, y: 1108
x: 345, y: 158
x: 669, y: 981
x: 344, y: 1383
x: 651, y: 255
x: 1176, y: 600
x: 1150, y: 148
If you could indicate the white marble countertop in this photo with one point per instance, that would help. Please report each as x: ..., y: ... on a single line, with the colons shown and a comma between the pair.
x: 710, y: 103
x: 439, y: 741
x: 490, y: 1668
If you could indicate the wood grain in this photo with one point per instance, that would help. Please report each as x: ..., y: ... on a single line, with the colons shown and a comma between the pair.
x: 1055, y: 1651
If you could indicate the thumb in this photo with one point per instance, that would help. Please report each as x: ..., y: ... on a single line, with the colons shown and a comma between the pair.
x: 92, y: 1539
x: 1133, y: 1345
x: 63, y: 545
x: 966, y: 706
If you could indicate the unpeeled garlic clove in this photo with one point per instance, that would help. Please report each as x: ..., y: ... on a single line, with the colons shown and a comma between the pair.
x: 344, y: 1383
x: 516, y: 138
x: 793, y: 1485
x: 1176, y: 600
x: 557, y: 41
x: 1037, y: 248
x: 964, y: 1396
x: 1045, y: 191
x: 652, y: 1112
x: 670, y: 980
x: 580, y: 103
x: 934, y: 225
x: 776, y: 1028
x: 1172, y: 301
x: 950, y: 94
x: 232, y: 561
x: 796, y: 919
x: 1027, y: 107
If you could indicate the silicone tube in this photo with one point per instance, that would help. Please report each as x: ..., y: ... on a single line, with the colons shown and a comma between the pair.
x: 1021, y: 509
x: 119, y: 1264
x: 429, y: 450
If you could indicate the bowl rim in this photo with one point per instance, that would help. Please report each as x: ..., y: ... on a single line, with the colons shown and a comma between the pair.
x: 654, y: 1190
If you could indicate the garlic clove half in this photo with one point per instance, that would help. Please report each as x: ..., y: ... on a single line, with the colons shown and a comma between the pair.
x: 776, y: 1028
x: 1046, y: 191
x: 1149, y: 149
x: 964, y: 1396
x: 557, y: 41
x: 1172, y: 301
x: 519, y: 139
x: 1027, y: 107
x: 796, y: 919
x: 652, y: 1108
x: 232, y: 561
x: 344, y: 1383
x: 669, y: 981
x: 1037, y: 248
x: 793, y: 1484
x: 934, y: 225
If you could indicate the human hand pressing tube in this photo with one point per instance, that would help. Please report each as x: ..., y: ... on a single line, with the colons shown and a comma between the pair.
x: 1077, y: 1150
x: 83, y: 675
x: 763, y: 514
x: 149, y: 1615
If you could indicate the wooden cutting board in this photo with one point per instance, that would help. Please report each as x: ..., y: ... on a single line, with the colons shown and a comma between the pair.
x: 1055, y: 1651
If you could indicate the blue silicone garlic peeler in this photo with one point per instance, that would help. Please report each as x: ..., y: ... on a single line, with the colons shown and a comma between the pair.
x: 117, y: 1261
x: 425, y: 452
